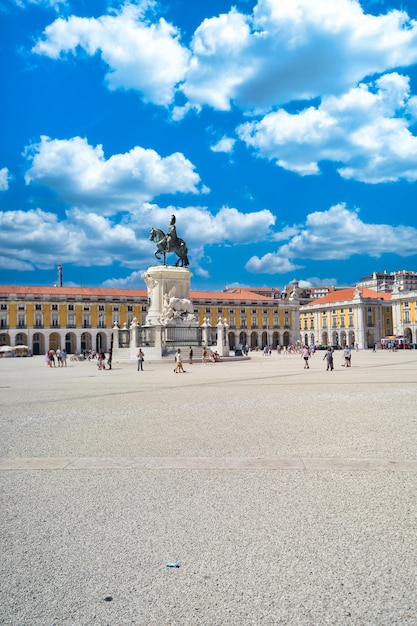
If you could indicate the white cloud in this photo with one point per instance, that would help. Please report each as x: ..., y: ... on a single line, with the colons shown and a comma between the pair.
x: 336, y: 234
x: 133, y: 281
x: 84, y: 239
x: 199, y: 271
x: 146, y: 57
x: 4, y: 179
x: 220, y: 62
x: 225, y: 144
x: 37, y: 239
x: 82, y: 176
x: 201, y: 229
x: 271, y: 264
x: 228, y: 225
x: 8, y: 263
x: 286, y: 233
x: 293, y: 50
x: 87, y: 239
x: 31, y: 237
x: 179, y: 112
x: 285, y: 50
x: 54, y: 4
x: 360, y: 129
x: 315, y: 281
x: 199, y: 226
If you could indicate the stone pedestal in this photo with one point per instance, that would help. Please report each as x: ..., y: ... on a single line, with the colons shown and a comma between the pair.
x: 165, y: 283
x: 222, y: 343
x: 170, y: 315
x: 170, y: 322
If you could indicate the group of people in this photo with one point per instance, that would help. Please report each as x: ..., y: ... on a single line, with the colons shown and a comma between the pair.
x: 214, y: 357
x: 59, y: 357
x: 307, y: 352
x: 179, y: 366
x: 241, y: 350
x: 347, y: 358
x: 101, y: 360
x: 59, y: 354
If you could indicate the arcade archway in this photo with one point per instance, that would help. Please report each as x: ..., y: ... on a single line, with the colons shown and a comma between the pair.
x: 38, y: 344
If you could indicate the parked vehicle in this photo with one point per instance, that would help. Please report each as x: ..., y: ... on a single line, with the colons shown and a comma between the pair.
x: 395, y: 342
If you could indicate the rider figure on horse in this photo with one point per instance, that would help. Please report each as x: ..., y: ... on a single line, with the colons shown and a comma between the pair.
x: 171, y: 237
x: 170, y: 242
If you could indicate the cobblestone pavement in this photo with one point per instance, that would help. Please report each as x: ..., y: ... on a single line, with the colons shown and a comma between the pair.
x: 286, y: 496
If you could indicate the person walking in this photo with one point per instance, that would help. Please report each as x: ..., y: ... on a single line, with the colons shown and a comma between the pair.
x: 306, y: 354
x: 109, y: 360
x: 101, y: 361
x: 141, y: 358
x: 329, y: 358
x: 190, y: 355
x: 178, y: 362
x: 64, y: 357
x: 52, y: 357
x: 346, y: 354
x: 204, y: 355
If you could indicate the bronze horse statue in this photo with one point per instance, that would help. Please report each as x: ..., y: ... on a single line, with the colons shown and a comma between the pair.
x: 165, y: 245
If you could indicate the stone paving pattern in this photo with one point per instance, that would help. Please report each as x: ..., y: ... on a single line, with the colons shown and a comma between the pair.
x: 287, y: 496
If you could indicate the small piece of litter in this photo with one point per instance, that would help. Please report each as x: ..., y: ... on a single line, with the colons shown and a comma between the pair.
x: 172, y: 564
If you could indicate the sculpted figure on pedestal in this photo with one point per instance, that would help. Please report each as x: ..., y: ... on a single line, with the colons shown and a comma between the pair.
x: 170, y: 243
x: 180, y: 309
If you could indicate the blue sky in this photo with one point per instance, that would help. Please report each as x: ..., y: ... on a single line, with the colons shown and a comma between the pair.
x: 281, y: 133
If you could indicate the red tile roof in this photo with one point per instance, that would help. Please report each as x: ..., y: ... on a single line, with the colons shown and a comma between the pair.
x: 348, y: 294
x: 238, y: 294
x: 71, y: 291
x: 231, y: 294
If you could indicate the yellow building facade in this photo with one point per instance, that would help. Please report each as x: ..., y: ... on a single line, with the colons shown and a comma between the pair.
x: 79, y: 319
x: 404, y: 308
x: 357, y: 317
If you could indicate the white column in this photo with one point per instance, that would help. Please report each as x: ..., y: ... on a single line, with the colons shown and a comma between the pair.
x: 222, y: 345
x: 361, y: 339
x: 133, y: 338
x: 115, y: 336
x: 396, y: 317
x: 205, y: 326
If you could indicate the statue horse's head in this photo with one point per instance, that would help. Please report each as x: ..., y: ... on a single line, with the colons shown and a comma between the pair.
x: 156, y: 234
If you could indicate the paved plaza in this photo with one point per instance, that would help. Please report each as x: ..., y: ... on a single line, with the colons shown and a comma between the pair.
x: 287, y: 496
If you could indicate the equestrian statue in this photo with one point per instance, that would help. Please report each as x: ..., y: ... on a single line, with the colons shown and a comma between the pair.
x: 170, y: 242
